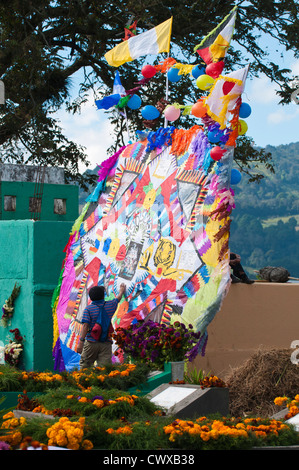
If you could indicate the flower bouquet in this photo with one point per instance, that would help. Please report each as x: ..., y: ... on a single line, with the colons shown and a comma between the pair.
x: 14, y: 349
x: 154, y: 343
x: 8, y: 307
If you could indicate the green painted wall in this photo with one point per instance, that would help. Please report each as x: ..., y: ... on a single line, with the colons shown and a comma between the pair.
x: 32, y: 255
x: 23, y: 191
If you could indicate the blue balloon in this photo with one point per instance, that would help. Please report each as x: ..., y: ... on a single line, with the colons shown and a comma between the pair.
x: 214, y: 136
x: 235, y: 176
x: 197, y: 71
x: 150, y: 112
x: 245, y: 110
x: 173, y: 75
x: 134, y: 102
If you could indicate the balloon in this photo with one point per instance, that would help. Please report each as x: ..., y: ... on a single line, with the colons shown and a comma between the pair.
x: 172, y: 113
x: 245, y: 110
x: 243, y: 127
x: 173, y: 75
x: 215, y: 69
x: 204, y: 82
x: 214, y: 136
x: 198, y: 109
x: 134, y: 102
x: 227, y: 87
x: 148, y: 71
x: 235, y: 176
x: 216, y: 153
x: 150, y: 112
x: 197, y: 71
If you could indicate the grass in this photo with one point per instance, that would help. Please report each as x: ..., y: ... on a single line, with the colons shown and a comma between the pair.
x: 273, y: 220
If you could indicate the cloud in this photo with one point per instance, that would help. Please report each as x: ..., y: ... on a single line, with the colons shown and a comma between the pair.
x: 295, y: 68
x: 91, y: 129
x: 262, y: 91
x: 281, y: 116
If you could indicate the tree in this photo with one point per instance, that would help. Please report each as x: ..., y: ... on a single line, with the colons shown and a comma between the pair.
x: 44, y: 43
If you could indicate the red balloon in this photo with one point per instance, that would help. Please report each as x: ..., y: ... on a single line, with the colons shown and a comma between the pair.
x: 214, y: 69
x: 148, y: 71
x: 216, y: 153
x: 227, y: 87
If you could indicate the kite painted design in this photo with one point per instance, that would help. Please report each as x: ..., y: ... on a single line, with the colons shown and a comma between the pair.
x: 154, y: 222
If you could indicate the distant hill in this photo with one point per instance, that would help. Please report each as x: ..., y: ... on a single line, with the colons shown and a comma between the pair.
x: 278, y: 194
x: 265, y: 223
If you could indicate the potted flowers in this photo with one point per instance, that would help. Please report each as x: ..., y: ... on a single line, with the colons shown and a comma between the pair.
x: 156, y: 344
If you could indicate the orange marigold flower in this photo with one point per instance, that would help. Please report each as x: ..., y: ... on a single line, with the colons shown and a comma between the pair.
x: 279, y: 401
x: 99, y: 403
x: 87, y: 444
x: 83, y: 399
x: 110, y: 431
x: 205, y: 436
x: 125, y: 373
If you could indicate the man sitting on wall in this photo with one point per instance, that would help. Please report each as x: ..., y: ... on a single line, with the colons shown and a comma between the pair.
x: 238, y: 274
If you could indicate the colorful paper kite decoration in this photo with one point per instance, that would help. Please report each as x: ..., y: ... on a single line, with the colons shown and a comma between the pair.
x: 158, y: 221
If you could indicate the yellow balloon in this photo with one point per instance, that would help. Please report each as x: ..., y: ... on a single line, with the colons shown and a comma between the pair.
x: 204, y: 82
x: 243, y: 127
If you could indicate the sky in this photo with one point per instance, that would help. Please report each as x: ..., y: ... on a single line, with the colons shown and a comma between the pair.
x: 269, y: 123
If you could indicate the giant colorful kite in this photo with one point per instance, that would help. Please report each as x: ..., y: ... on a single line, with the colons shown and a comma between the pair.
x: 158, y: 221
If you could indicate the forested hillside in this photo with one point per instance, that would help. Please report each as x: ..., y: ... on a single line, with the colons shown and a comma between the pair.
x: 265, y: 223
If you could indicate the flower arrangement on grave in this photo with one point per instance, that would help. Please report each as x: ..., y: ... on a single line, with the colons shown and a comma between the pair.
x: 13, y: 349
x: 292, y: 404
x: 154, y: 343
x: 8, y: 307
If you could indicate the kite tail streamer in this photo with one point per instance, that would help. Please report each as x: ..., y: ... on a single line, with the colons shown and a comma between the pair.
x: 223, y: 251
x: 181, y: 139
x: 54, y: 302
x: 108, y: 164
x: 165, y: 65
x: 78, y: 222
x: 234, y: 124
x: 224, y: 229
x: 94, y: 197
x: 200, y: 145
x: 162, y: 136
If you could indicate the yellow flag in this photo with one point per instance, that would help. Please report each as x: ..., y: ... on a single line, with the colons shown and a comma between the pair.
x: 153, y: 41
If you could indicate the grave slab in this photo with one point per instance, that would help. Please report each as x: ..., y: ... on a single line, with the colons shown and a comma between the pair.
x: 186, y: 401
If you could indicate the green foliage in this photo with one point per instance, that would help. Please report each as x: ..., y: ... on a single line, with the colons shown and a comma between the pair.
x: 113, y: 406
x: 44, y: 44
x: 266, y: 215
x: 147, y: 434
x: 9, y: 379
x: 116, y: 420
x: 195, y: 376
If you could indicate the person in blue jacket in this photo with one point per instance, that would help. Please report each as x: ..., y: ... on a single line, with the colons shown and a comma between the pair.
x: 98, y: 352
